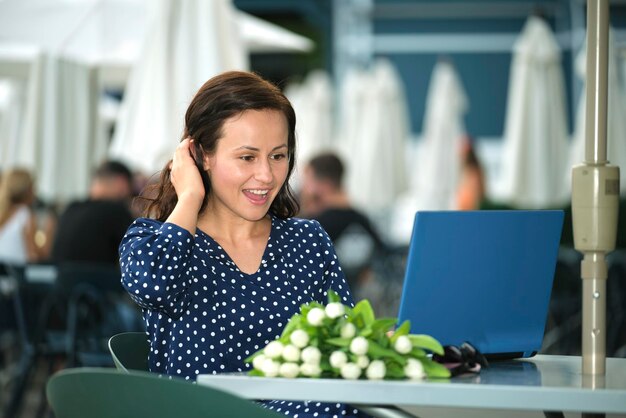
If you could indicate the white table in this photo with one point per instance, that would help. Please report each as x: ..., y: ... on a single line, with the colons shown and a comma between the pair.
x: 543, y: 383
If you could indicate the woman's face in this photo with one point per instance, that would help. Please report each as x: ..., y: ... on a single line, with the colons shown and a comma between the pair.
x: 250, y: 164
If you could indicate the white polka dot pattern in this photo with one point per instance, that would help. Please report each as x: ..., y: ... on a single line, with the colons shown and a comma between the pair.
x: 204, y: 315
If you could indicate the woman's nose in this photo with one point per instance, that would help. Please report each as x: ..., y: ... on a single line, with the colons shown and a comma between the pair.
x: 264, y: 171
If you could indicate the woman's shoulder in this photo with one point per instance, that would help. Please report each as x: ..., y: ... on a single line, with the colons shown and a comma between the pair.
x: 297, y: 224
x: 144, y: 225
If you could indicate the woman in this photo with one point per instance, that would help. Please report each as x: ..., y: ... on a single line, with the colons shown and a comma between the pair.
x: 17, y: 221
x: 222, y: 266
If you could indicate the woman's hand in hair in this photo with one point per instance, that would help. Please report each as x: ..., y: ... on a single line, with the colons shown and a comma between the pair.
x: 185, y: 176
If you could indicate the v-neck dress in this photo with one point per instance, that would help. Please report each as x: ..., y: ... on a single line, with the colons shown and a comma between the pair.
x: 204, y: 315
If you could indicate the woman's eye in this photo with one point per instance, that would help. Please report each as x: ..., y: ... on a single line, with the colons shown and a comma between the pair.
x: 278, y: 157
x: 247, y: 157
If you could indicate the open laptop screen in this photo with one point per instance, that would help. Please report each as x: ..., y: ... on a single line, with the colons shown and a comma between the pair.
x: 483, y: 277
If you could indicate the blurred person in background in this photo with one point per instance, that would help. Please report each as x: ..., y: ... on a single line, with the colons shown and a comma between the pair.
x: 91, y: 230
x: 89, y: 233
x: 324, y: 199
x: 18, y: 223
x: 471, y: 189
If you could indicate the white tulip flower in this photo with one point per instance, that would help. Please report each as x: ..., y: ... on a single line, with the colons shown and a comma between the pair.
x: 350, y: 371
x: 348, y: 330
x: 316, y: 317
x: 376, y: 370
x: 338, y: 359
x: 403, y: 345
x: 289, y: 370
x: 414, y: 369
x: 270, y: 367
x: 299, y: 338
x: 362, y: 361
x: 291, y: 353
x: 312, y: 370
x: 257, y: 362
x: 335, y: 310
x: 359, y: 346
x: 273, y: 349
x: 311, y: 355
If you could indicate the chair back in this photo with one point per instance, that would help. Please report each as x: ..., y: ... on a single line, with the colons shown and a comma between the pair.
x: 107, y: 393
x: 130, y: 351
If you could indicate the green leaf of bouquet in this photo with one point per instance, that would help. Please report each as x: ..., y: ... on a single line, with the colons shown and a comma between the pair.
x: 333, y: 296
x: 252, y: 356
x: 417, y: 353
x: 427, y: 342
x: 376, y: 351
x: 401, y: 330
x: 294, y: 322
x: 394, y: 371
x: 255, y: 372
x: 434, y: 369
x: 364, y: 309
x: 382, y: 325
x: 339, y: 342
x: 365, y: 332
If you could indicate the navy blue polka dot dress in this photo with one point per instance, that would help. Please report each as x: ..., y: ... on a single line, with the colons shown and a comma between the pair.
x: 204, y: 315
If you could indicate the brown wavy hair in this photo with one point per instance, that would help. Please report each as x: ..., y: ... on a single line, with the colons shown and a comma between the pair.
x: 219, y: 99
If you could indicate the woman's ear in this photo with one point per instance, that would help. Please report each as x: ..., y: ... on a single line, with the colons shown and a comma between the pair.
x: 206, y: 162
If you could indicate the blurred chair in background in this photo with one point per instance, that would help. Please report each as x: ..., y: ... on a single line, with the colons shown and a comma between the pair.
x: 130, y: 351
x: 88, y: 236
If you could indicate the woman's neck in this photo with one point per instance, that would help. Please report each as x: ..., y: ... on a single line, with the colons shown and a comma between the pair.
x: 231, y: 228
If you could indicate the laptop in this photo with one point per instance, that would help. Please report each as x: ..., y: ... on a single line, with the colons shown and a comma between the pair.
x: 482, y: 276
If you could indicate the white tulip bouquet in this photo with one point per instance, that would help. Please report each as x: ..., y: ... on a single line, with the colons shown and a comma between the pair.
x: 338, y: 341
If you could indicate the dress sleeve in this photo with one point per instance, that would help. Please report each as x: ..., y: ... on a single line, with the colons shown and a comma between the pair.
x: 334, y: 278
x: 155, y: 262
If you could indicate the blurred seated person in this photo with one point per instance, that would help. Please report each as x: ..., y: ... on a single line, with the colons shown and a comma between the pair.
x: 91, y: 230
x: 471, y: 189
x: 18, y: 224
x: 89, y: 233
x: 324, y: 198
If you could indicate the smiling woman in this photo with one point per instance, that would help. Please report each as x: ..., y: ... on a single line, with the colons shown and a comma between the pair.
x: 218, y: 264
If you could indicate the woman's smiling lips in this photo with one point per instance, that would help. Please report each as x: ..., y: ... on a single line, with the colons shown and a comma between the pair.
x: 257, y: 196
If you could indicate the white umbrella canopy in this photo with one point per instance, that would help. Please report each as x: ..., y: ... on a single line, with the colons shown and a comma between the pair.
x: 616, y: 117
x: 443, y: 131
x: 375, y: 133
x: 261, y: 36
x: 106, y: 35
x: 534, y: 152
x: 109, y: 33
x: 189, y: 41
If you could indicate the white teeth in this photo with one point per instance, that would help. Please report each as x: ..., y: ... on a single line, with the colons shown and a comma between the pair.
x: 259, y: 192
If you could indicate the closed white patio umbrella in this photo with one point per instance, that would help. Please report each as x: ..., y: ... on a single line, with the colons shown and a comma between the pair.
x: 534, y: 152
x: 188, y: 42
x: 313, y: 102
x: 435, y: 175
x: 375, y: 134
x: 443, y: 131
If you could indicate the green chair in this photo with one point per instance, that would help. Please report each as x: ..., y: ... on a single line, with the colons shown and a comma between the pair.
x: 107, y: 393
x: 130, y: 351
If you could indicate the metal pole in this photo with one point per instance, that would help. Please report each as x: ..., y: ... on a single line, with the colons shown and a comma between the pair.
x: 597, y: 77
x: 595, y: 194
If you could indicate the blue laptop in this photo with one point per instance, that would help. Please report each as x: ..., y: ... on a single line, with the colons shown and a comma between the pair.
x: 482, y: 276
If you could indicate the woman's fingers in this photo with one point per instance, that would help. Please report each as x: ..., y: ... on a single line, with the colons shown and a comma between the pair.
x: 183, y: 171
